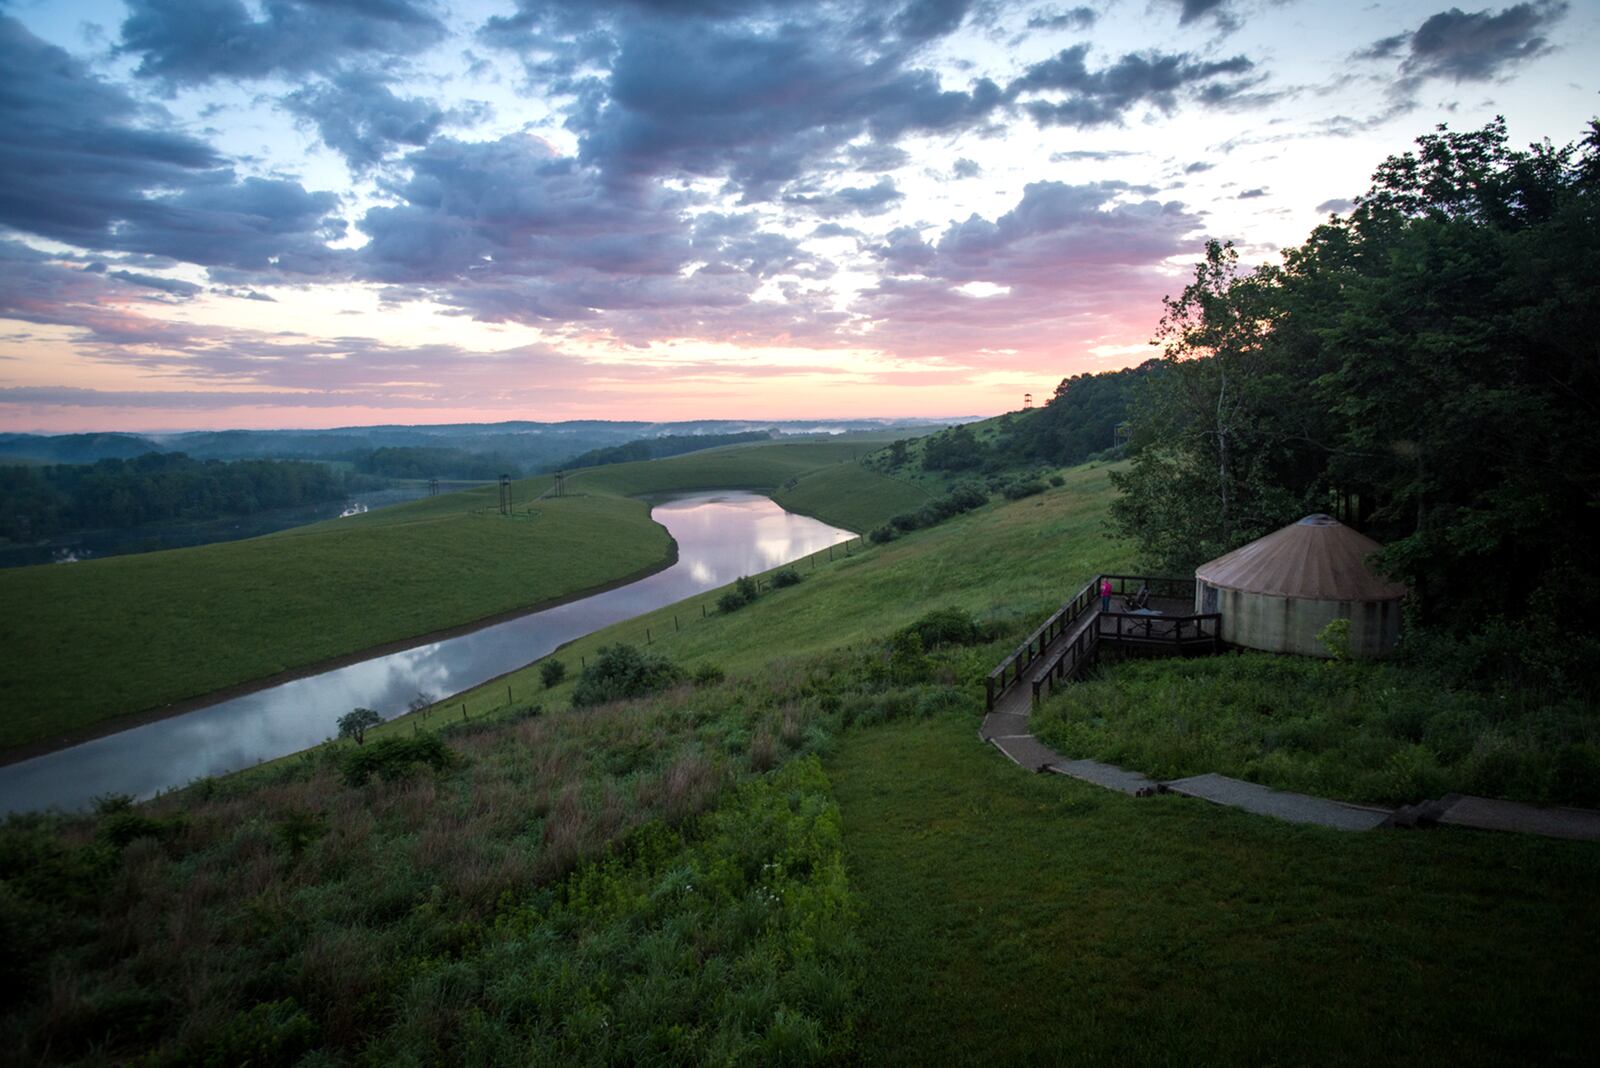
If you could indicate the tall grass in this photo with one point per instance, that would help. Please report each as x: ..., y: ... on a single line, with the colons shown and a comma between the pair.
x: 1387, y: 733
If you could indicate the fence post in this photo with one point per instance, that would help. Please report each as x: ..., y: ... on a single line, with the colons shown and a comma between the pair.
x: 647, y: 635
x: 508, y: 694
x: 463, y: 711
x: 675, y: 626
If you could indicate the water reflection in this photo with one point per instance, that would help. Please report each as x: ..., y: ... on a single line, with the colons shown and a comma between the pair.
x: 720, y: 537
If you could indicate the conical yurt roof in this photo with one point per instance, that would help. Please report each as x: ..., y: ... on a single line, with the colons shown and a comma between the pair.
x: 1317, y: 558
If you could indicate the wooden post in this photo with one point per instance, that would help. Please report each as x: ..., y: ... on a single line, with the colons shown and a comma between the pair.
x: 463, y: 711
x: 702, y: 610
x: 508, y: 693
x: 675, y: 627
x: 647, y: 635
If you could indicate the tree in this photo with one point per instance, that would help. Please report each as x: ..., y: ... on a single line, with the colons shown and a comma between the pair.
x: 356, y: 723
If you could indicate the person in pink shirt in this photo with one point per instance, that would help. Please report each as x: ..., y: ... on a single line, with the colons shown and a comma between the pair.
x: 1105, y: 595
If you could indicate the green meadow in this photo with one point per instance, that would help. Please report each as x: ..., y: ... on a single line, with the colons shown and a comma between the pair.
x: 801, y: 853
x: 93, y: 641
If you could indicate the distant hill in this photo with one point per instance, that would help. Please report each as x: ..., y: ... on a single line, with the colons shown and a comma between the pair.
x: 528, y: 446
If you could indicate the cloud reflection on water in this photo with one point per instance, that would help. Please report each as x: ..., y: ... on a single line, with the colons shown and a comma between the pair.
x: 720, y: 537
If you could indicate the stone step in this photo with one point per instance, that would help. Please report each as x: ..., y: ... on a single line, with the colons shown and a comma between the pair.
x: 1107, y: 775
x: 1488, y: 814
x: 1280, y: 804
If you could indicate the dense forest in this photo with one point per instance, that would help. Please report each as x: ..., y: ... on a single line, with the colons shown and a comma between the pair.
x: 656, y: 448
x: 1080, y: 422
x: 1426, y: 367
x: 39, y: 502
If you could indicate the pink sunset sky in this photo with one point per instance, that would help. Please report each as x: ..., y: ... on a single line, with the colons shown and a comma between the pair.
x: 302, y: 213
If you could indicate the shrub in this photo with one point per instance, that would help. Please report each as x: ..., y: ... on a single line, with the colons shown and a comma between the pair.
x: 623, y: 671
x: 1335, y: 638
x: 905, y: 522
x: 1058, y: 481
x: 744, y: 591
x: 1015, y: 491
x: 708, y: 675
x: 785, y: 576
x: 298, y: 828
x: 120, y: 828
x: 885, y: 533
x: 947, y: 626
x: 395, y: 758
x: 551, y: 672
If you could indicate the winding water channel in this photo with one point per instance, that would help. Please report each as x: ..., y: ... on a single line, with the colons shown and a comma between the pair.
x: 720, y: 536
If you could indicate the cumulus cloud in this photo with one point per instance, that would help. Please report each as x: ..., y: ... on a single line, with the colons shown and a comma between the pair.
x: 194, y: 41
x: 872, y: 199
x: 760, y: 108
x: 1105, y: 96
x: 1471, y: 46
x: 84, y: 164
x: 359, y: 116
x: 1194, y: 10
x: 1334, y: 206
x: 1066, y: 254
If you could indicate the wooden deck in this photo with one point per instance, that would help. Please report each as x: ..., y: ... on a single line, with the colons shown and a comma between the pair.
x: 1071, y: 638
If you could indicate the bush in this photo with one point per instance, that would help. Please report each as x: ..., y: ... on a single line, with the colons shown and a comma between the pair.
x: 708, y: 675
x: 623, y: 671
x: 1058, y: 481
x: 906, y: 522
x: 551, y: 672
x: 947, y: 626
x: 1015, y: 491
x: 395, y: 758
x: 785, y: 576
x: 885, y: 533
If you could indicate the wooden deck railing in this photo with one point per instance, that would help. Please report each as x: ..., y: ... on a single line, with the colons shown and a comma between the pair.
x: 1178, y: 632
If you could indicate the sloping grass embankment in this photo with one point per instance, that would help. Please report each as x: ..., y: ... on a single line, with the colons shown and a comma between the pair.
x: 91, y: 642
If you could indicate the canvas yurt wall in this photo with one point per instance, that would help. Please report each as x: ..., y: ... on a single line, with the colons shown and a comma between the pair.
x: 1278, y: 592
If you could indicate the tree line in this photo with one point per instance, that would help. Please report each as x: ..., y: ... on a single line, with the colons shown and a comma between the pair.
x: 39, y: 502
x: 1426, y: 367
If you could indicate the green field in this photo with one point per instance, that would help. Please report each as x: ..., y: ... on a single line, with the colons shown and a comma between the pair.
x: 96, y: 640
x: 812, y: 861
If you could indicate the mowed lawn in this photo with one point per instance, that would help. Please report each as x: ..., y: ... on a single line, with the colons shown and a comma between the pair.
x: 1018, y: 918
x: 1011, y: 562
x: 93, y: 640
x: 97, y: 640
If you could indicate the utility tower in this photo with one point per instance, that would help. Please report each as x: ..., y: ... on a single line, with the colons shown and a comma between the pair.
x: 433, y: 487
x: 505, y: 494
x: 561, y: 483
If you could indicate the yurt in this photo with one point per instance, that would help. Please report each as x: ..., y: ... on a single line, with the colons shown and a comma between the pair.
x: 1280, y: 591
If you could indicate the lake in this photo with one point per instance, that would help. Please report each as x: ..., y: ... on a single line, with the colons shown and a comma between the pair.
x: 720, y: 537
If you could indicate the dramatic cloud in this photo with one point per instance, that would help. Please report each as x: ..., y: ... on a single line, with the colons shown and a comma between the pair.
x: 1476, y: 46
x: 1065, y: 253
x: 194, y: 41
x: 757, y: 108
x: 361, y: 118
x: 1105, y: 96
x: 79, y: 164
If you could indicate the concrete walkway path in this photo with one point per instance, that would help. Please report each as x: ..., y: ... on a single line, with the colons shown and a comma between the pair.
x: 1006, y: 728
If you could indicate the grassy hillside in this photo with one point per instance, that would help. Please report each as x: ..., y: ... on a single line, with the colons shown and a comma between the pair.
x: 812, y: 861
x: 103, y: 638
x: 131, y: 632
